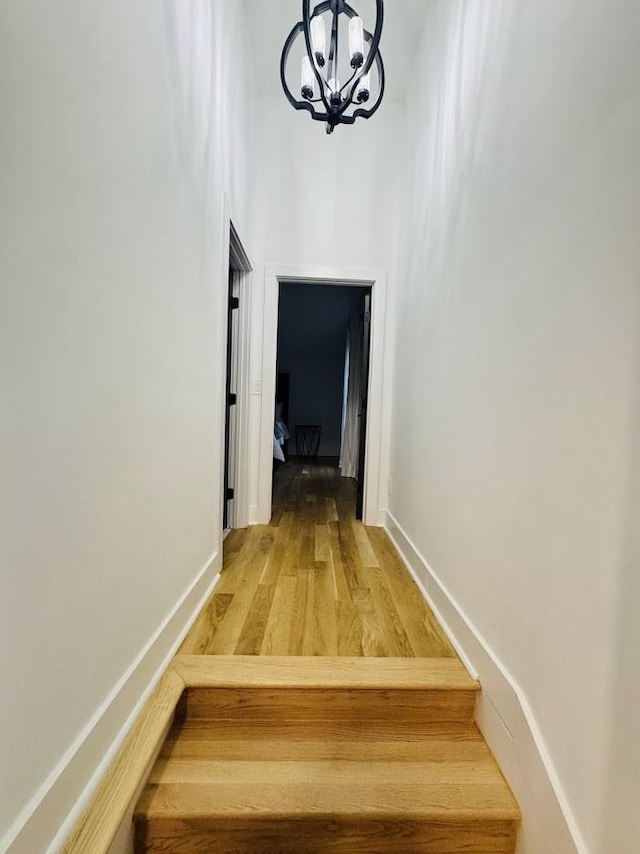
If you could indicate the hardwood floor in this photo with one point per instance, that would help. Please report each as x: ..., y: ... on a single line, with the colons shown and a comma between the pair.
x: 315, y: 582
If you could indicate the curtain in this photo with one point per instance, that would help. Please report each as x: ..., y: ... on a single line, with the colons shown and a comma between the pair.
x: 351, y: 412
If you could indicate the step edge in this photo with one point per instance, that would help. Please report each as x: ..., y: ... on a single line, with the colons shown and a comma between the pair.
x: 297, y: 672
x: 448, y: 815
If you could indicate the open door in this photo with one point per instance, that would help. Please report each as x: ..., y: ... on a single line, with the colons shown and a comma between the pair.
x: 365, y: 319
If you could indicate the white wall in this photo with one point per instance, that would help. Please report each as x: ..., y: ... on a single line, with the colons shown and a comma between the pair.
x: 518, y: 298
x: 123, y: 124
x: 321, y: 200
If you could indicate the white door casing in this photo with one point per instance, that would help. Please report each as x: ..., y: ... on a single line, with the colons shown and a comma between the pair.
x: 236, y: 258
x: 378, y: 423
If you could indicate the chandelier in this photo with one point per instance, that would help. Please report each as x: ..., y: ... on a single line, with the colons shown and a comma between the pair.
x: 320, y: 91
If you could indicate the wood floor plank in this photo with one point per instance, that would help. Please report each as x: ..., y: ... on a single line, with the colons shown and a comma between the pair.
x: 298, y: 614
x: 244, y: 584
x: 309, y: 622
x: 203, y: 631
x: 389, y: 616
x: 349, y: 628
x: 252, y: 635
x: 373, y: 639
x: 425, y: 633
x: 367, y: 554
x: 322, y: 543
x: 281, y: 555
x: 250, y: 545
x: 332, y: 510
x: 278, y: 629
x: 325, y: 626
x: 306, y: 559
x: 247, y: 564
x: 342, y: 592
x: 232, y: 544
x: 350, y: 556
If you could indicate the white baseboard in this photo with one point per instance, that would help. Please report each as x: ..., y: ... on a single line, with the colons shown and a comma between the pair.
x: 52, y: 813
x: 504, y: 717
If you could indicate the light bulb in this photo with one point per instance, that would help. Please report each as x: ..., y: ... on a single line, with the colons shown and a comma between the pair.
x: 356, y: 42
x: 363, y: 89
x: 307, y: 79
x: 318, y: 39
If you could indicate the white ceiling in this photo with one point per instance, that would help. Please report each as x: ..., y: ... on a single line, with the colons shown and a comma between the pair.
x: 270, y: 22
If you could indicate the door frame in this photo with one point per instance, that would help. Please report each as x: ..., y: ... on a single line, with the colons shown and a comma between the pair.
x: 238, y: 261
x: 378, y: 421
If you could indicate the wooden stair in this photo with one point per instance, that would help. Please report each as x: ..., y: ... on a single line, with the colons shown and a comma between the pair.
x: 302, y: 755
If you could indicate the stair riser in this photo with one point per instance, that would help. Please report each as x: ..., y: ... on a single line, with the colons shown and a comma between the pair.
x: 325, y: 836
x: 253, y: 705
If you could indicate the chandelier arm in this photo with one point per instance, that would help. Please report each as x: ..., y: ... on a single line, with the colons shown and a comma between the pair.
x: 306, y: 18
x: 373, y: 50
x: 349, y: 81
x: 283, y: 63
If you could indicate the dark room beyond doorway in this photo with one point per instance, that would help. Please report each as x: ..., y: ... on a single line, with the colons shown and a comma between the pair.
x: 322, y: 370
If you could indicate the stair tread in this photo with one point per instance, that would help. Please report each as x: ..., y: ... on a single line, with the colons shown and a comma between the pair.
x: 445, y: 780
x: 288, y: 671
x: 206, y: 739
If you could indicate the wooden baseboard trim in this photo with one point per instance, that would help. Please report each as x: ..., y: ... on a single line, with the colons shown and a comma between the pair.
x: 503, y: 715
x: 103, y: 815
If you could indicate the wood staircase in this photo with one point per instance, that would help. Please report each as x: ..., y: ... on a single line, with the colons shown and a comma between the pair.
x: 302, y: 755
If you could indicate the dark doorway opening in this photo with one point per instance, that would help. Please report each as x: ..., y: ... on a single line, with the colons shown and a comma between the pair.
x: 322, y: 379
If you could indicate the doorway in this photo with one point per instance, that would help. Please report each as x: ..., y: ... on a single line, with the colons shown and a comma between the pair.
x: 322, y: 380
x: 235, y: 393
x: 378, y: 402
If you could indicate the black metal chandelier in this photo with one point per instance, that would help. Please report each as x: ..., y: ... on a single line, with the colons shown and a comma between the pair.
x: 321, y: 92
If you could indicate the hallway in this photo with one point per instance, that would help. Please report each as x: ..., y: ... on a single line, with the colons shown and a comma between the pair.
x: 492, y: 207
x: 315, y: 582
